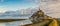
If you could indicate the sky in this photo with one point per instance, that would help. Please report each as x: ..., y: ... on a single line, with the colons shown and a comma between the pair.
x: 6, y: 5
x: 51, y: 8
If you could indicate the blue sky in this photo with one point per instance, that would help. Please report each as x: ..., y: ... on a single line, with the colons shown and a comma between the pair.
x: 15, y: 4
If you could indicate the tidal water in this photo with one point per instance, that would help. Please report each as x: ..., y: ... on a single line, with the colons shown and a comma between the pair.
x: 16, y: 23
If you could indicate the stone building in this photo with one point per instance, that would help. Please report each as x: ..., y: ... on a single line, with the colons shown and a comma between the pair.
x: 37, y: 16
x: 39, y: 19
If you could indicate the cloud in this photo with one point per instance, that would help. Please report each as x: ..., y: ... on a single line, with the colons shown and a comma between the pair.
x: 2, y: 9
x: 51, y: 7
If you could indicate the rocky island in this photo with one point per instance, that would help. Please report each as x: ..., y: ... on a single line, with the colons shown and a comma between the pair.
x: 41, y: 19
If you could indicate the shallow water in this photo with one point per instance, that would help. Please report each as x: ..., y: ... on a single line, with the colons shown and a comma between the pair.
x: 16, y: 23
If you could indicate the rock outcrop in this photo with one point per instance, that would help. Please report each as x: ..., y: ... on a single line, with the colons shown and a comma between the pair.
x: 39, y: 16
x: 39, y: 19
